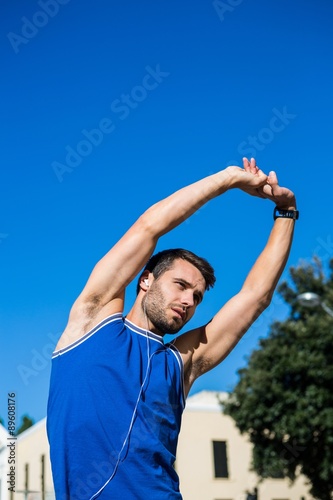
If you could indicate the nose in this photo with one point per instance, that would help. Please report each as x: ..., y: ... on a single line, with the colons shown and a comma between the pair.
x: 187, y: 298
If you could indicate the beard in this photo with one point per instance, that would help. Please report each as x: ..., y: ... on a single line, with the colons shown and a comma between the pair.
x: 154, y: 307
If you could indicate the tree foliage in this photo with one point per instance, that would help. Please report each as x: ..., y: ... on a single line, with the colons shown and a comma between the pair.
x: 26, y: 422
x: 284, y: 397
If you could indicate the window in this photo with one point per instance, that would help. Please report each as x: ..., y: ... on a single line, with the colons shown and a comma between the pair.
x: 220, y: 459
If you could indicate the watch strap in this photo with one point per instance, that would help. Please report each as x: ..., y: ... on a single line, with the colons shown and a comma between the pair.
x: 285, y: 214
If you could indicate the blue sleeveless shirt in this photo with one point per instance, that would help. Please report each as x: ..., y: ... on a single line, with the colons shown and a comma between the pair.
x: 114, y: 414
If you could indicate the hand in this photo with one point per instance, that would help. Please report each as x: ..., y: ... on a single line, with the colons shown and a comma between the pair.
x: 248, y: 179
x: 283, y: 197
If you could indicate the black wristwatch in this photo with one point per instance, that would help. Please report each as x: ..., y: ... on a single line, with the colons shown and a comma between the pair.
x: 285, y: 214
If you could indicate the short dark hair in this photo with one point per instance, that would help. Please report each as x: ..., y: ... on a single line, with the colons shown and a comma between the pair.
x: 163, y: 261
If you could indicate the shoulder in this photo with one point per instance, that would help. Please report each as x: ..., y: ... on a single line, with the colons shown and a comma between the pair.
x: 99, y: 334
x: 83, y: 319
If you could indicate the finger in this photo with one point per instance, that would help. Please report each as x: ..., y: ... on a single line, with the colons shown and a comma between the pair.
x: 262, y: 174
x: 253, y: 167
x: 260, y: 192
x: 267, y: 191
x: 272, y: 178
x: 246, y: 165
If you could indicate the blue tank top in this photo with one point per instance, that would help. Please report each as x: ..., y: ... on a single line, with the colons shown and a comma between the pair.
x: 114, y: 414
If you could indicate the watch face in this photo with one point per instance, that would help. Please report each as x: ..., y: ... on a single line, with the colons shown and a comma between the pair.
x: 286, y: 214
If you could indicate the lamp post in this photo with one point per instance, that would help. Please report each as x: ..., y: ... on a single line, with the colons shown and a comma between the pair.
x: 311, y: 299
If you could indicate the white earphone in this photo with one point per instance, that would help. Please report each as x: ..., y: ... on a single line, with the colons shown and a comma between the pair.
x: 146, y: 282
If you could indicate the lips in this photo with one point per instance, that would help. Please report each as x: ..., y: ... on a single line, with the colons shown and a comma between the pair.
x: 180, y: 311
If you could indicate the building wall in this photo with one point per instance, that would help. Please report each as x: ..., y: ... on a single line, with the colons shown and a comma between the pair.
x: 4, y: 466
x: 32, y: 445
x: 203, y: 423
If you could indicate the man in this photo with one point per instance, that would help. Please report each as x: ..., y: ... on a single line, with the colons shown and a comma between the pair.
x: 117, y: 391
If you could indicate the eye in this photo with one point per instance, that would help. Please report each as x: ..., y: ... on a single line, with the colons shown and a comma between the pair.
x: 180, y: 284
x: 197, y: 298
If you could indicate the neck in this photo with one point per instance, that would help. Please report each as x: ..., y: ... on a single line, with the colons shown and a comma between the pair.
x: 137, y: 316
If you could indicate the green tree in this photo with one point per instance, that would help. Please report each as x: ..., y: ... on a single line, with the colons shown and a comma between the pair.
x: 284, y: 397
x: 26, y: 422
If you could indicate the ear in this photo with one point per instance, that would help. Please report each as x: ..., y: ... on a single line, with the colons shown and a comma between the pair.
x: 145, y: 281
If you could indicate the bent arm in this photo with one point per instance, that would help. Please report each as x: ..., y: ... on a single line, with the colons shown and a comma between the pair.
x: 204, y: 348
x: 122, y: 263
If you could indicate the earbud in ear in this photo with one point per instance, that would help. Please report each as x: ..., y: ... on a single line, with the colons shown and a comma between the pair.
x: 146, y: 282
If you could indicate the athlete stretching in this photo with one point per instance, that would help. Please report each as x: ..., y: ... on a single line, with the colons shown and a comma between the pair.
x: 117, y: 391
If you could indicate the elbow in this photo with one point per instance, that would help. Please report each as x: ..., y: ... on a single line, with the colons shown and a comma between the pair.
x: 265, y: 301
x: 259, y: 308
x: 148, y: 223
x: 261, y: 302
x: 259, y: 298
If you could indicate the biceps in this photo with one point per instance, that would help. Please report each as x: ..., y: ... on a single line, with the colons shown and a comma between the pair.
x: 238, y: 314
x: 119, y: 266
x: 225, y: 330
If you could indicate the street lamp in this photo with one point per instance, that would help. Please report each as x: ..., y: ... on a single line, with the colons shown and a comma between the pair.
x: 311, y: 299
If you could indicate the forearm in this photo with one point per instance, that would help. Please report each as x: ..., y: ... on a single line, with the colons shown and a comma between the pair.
x: 121, y: 264
x: 267, y: 270
x: 176, y: 208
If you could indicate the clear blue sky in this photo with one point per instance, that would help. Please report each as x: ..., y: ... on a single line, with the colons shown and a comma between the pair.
x: 179, y: 90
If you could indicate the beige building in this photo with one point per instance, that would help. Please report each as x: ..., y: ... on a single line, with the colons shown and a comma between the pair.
x: 213, y: 460
x: 4, y: 465
x: 33, y: 477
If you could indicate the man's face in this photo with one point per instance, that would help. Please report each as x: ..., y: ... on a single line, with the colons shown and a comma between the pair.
x: 171, y: 300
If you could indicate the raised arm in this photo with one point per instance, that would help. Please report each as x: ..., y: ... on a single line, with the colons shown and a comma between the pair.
x: 204, y: 348
x: 103, y: 293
